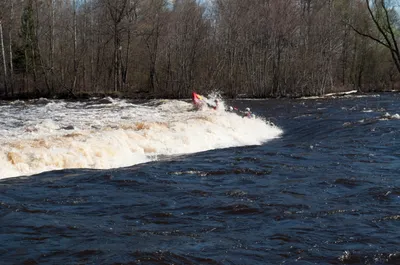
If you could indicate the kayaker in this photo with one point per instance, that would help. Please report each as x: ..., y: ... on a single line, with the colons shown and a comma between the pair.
x: 247, y: 113
x: 216, y: 104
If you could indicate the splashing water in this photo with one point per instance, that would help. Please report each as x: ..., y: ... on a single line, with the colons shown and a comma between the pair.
x: 45, y: 135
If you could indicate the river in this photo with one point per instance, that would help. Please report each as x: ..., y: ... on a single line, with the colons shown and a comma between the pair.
x: 106, y: 181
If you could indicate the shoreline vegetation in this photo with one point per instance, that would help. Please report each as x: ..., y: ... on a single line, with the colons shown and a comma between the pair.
x: 144, y: 49
x: 146, y: 96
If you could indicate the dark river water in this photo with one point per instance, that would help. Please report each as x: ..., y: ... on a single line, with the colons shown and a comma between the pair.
x: 326, y: 192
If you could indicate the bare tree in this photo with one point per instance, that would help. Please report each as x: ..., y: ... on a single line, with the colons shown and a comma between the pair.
x: 51, y: 43
x: 75, y: 43
x: 151, y: 35
x: 4, y: 57
x: 258, y: 48
x: 10, y: 40
x: 380, y: 15
x: 117, y: 12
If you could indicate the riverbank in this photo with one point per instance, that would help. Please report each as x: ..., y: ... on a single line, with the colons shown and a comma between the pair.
x: 145, y: 95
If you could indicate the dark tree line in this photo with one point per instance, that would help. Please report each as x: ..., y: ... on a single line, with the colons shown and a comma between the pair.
x: 166, y: 48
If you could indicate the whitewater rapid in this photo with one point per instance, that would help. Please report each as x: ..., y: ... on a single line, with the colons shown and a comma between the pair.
x: 43, y: 135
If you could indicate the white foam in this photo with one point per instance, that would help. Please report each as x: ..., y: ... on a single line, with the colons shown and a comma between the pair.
x: 388, y: 116
x: 58, y: 135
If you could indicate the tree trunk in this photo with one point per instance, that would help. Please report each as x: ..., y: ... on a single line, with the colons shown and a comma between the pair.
x: 11, y: 50
x: 75, y: 75
x: 385, y: 29
x: 4, y: 58
x: 116, y: 61
x: 51, y: 44
x: 92, y: 49
x: 38, y: 51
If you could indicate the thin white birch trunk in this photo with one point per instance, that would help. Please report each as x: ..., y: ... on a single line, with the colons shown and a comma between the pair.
x: 4, y: 57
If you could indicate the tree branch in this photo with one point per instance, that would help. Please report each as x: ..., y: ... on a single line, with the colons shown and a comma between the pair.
x: 367, y: 35
x: 396, y: 47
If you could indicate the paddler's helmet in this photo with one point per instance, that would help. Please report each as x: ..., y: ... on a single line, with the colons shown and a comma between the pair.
x: 248, y: 109
x: 230, y: 108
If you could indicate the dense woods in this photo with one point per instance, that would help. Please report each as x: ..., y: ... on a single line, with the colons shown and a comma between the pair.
x: 166, y: 48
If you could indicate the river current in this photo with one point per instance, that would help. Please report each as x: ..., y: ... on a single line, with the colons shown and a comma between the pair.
x: 105, y: 181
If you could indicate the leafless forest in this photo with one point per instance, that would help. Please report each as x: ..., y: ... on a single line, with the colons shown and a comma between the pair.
x: 160, y: 48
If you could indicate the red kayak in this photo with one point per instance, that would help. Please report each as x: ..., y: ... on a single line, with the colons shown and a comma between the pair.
x: 199, y: 101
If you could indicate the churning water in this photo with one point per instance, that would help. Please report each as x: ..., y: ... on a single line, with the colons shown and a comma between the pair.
x: 320, y: 187
x: 46, y: 135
